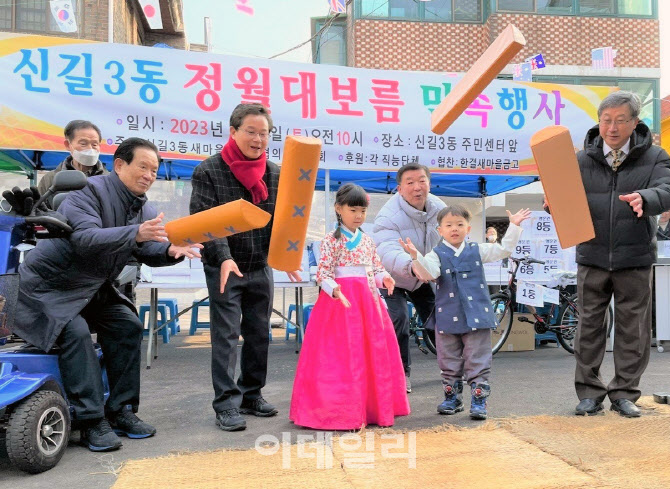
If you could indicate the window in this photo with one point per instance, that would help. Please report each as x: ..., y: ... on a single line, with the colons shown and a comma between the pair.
x: 635, y: 7
x: 5, y: 16
x: 558, y: 7
x: 622, y: 8
x: 516, y: 5
x: 467, y: 10
x: 330, y: 47
x: 433, y: 11
x: 645, y: 89
x: 600, y: 7
x: 374, y: 8
x: 438, y: 10
x: 403, y: 9
x: 30, y: 16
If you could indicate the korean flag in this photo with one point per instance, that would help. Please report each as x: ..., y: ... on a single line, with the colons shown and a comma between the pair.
x: 64, y: 15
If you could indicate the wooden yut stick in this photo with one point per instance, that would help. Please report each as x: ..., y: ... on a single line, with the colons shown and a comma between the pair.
x: 218, y: 222
x: 486, y: 68
x: 561, y: 179
x: 294, y: 202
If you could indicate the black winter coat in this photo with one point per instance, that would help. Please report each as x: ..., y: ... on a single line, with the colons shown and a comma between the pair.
x: 622, y: 239
x: 60, y: 276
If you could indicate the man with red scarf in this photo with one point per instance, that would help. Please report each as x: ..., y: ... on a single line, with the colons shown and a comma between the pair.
x: 239, y: 279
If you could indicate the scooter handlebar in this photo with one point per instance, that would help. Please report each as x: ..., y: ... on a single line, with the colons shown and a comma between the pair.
x: 54, y: 226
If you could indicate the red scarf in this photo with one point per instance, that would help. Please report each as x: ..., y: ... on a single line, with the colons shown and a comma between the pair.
x: 248, y: 172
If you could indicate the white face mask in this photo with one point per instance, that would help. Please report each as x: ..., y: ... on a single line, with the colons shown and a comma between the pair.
x: 88, y: 157
x: 491, y: 239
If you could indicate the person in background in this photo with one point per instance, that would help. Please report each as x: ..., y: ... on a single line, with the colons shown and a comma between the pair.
x: 663, y: 230
x: 410, y: 213
x: 82, y: 140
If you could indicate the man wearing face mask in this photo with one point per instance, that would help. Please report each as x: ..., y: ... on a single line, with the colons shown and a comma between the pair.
x: 82, y: 140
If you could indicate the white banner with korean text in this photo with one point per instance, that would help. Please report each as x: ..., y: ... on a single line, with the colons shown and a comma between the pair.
x: 181, y: 100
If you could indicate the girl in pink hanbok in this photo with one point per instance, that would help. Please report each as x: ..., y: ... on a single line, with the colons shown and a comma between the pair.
x: 349, y: 372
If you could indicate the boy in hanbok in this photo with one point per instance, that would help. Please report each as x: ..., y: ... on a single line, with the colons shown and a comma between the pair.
x: 349, y: 373
x: 463, y: 317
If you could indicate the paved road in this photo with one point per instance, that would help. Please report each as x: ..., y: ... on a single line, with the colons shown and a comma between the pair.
x: 177, y: 399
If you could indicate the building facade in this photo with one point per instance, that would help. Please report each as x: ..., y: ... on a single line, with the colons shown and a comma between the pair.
x: 94, y: 18
x: 450, y: 35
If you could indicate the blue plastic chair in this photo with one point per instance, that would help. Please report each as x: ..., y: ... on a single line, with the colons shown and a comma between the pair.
x: 162, y: 314
x: 307, y: 311
x: 173, y: 309
x: 291, y: 328
x: 195, y: 324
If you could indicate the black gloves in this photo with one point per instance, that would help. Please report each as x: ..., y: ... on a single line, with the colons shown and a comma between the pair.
x: 22, y: 201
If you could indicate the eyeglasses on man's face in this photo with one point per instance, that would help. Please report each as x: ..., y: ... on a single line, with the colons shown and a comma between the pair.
x: 252, y: 134
x: 616, y: 122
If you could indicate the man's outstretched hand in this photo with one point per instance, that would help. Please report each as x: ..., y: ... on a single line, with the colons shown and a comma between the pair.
x: 185, y: 251
x: 152, y: 230
x: 635, y: 201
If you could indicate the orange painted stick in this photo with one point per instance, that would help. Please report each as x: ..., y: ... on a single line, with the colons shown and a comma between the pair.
x: 557, y: 164
x: 218, y: 222
x: 486, y: 68
x: 294, y: 202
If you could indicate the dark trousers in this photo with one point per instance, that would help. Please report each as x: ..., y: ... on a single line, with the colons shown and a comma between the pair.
x: 120, y: 336
x: 249, y: 298
x: 423, y: 299
x: 632, y: 335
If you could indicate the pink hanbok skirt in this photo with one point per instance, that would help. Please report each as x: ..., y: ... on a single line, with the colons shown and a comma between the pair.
x: 349, y: 372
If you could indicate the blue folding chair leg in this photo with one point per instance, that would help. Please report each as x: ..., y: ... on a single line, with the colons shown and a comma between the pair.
x: 195, y: 323
x: 173, y: 309
x: 162, y: 314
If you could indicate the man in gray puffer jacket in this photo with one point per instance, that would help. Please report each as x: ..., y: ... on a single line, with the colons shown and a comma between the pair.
x: 627, y: 183
x: 410, y: 213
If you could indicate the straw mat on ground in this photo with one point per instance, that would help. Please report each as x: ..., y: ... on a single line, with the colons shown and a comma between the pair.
x: 544, y: 452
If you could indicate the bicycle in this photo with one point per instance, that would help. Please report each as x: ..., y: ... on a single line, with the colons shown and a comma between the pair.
x: 564, y: 328
x: 425, y: 338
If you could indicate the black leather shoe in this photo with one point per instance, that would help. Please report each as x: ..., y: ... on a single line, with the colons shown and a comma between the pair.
x: 625, y: 408
x: 588, y: 407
